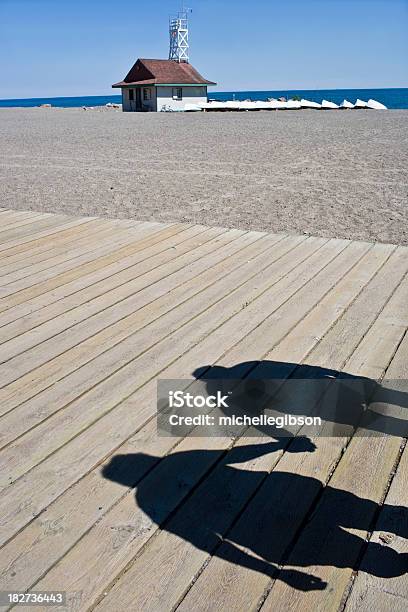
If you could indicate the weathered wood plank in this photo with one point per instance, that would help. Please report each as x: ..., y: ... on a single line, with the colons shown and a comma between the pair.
x: 103, y: 310
x: 19, y: 262
x: 10, y: 214
x: 111, y: 553
x: 117, y: 239
x: 26, y: 232
x: 88, y: 248
x: 46, y: 250
x: 124, y: 359
x: 318, y: 302
x: 185, y: 283
x: 15, y: 515
x: 335, y: 536
x: 66, y: 227
x: 62, y: 279
x: 177, y: 562
x: 168, y: 250
x: 389, y: 538
x: 19, y: 222
x: 107, y: 277
x: 128, y: 551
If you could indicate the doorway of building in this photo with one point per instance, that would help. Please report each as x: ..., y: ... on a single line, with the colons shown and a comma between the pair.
x: 138, y: 99
x: 135, y: 99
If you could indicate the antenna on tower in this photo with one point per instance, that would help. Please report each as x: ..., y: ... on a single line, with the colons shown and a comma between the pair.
x: 178, y: 28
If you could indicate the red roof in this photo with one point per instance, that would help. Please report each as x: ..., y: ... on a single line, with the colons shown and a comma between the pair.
x: 162, y: 72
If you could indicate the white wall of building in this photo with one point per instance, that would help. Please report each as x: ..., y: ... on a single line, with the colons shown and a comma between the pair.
x: 190, y: 95
x: 162, y: 96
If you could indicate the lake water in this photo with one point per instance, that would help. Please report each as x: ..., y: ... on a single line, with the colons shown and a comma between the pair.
x: 392, y: 98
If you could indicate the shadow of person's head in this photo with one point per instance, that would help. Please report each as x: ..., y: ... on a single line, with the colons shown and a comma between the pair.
x: 339, y: 400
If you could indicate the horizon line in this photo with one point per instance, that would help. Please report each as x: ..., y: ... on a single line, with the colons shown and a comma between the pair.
x: 216, y: 92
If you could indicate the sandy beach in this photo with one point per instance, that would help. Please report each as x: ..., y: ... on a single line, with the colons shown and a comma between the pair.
x: 333, y: 174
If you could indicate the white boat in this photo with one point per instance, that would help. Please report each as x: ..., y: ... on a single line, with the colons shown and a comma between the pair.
x: 360, y: 104
x: 214, y: 106
x: 248, y: 105
x: 376, y: 105
x: 309, y: 104
x: 292, y: 104
x: 188, y: 108
x: 326, y: 104
x: 346, y: 104
x: 231, y: 104
x: 269, y: 105
x: 264, y: 105
x: 279, y: 105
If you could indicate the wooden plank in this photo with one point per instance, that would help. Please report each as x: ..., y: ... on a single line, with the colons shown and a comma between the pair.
x: 391, y: 590
x: 110, y: 551
x: 343, y: 265
x: 177, y: 562
x: 12, y: 216
x: 57, y: 265
x: 331, y: 549
x: 266, y: 342
x: 48, y: 332
x: 105, y: 278
x: 99, y: 243
x: 20, y: 261
x: 331, y: 543
x: 119, y: 362
x: 27, y: 241
x: 99, y: 444
x: 14, y: 222
x: 66, y: 227
x: 6, y: 214
x: 192, y: 280
x: 388, y: 545
x: 46, y: 250
x: 74, y: 515
x: 62, y: 279
x: 177, y: 242
x: 335, y: 302
x: 384, y: 601
x: 244, y: 586
x: 118, y: 239
x: 40, y: 223
x: 130, y: 268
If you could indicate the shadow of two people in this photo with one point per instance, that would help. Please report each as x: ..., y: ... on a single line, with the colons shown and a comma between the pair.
x: 269, y: 524
x: 266, y: 529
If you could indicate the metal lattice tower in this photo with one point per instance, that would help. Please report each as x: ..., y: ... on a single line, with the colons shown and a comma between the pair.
x: 178, y: 27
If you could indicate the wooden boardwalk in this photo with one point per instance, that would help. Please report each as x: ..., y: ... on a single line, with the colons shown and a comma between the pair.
x: 93, y: 502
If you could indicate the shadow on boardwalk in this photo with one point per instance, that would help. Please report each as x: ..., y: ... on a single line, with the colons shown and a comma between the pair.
x: 262, y: 534
x: 270, y: 523
x: 344, y: 402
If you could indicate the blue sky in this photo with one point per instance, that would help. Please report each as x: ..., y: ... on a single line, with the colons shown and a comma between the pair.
x: 80, y: 47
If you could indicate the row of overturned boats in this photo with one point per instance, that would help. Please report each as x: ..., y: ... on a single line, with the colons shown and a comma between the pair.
x: 249, y: 105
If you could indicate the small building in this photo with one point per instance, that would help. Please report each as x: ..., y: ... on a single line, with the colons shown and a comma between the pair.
x: 157, y: 84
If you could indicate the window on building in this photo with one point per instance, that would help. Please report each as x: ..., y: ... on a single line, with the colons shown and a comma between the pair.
x: 177, y: 93
x: 147, y: 94
x: 131, y: 94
